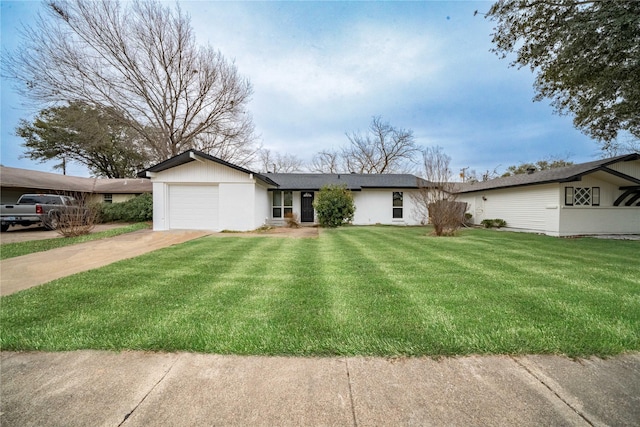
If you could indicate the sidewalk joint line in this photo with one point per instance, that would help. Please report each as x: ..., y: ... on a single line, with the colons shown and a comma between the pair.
x: 353, y: 407
x: 562, y: 399
x: 126, y: 417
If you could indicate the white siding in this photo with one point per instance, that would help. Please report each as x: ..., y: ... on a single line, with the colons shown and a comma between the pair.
x: 603, y: 219
x: 533, y: 208
x: 160, y: 206
x: 376, y: 207
x: 262, y: 206
x: 578, y: 220
x: 541, y: 208
x: 199, y: 171
x: 237, y: 206
x: 470, y: 200
x: 193, y: 207
x: 628, y: 168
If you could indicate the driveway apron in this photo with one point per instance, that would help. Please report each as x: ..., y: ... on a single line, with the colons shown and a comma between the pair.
x: 31, y: 270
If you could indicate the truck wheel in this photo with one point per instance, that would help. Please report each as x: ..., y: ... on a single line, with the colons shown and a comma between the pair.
x: 52, y: 222
x: 4, y: 227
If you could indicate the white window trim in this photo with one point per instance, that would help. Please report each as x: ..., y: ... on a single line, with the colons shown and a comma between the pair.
x: 281, y: 206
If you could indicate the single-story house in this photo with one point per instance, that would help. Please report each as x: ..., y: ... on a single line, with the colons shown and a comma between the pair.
x: 599, y: 197
x: 15, y: 182
x: 194, y: 190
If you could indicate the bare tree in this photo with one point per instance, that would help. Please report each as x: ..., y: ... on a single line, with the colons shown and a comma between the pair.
x: 384, y: 149
x: 278, y: 163
x: 624, y: 144
x: 140, y: 60
x: 235, y: 144
x: 326, y: 161
x: 474, y: 176
x: 78, y: 219
x: 436, y: 202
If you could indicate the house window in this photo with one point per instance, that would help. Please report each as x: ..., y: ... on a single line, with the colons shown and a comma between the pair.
x: 595, y: 196
x: 107, y: 198
x: 397, y: 204
x: 582, y: 196
x: 568, y: 196
x: 282, y: 203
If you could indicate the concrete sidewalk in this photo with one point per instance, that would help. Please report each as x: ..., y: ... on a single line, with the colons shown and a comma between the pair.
x: 94, y: 388
x: 35, y: 269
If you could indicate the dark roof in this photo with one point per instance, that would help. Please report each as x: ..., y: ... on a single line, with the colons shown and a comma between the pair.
x: 301, y: 181
x: 188, y: 156
x: 25, y: 178
x: 353, y: 181
x: 563, y: 174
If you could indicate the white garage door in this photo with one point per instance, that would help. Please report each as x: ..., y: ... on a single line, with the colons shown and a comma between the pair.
x: 193, y: 207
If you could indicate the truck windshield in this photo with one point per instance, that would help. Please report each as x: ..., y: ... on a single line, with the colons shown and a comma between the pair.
x: 39, y: 199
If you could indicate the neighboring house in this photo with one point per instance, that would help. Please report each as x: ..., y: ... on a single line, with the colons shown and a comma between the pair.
x: 14, y: 182
x: 600, y: 197
x: 196, y: 191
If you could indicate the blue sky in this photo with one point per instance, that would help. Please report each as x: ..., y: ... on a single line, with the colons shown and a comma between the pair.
x: 321, y: 69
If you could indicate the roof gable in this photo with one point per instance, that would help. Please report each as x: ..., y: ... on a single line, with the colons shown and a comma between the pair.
x: 563, y: 174
x: 193, y: 155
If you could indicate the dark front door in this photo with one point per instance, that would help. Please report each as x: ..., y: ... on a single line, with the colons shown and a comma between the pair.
x: 306, y: 210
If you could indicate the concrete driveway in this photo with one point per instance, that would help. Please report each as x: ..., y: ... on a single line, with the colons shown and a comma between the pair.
x: 35, y: 269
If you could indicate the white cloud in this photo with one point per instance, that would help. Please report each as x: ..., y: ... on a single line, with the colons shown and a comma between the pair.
x: 354, y: 62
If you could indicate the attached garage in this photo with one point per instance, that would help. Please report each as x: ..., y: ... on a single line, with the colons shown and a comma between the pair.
x: 193, y: 207
x: 195, y: 191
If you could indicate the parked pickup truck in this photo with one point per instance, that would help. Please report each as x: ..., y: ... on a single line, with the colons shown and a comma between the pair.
x: 45, y: 209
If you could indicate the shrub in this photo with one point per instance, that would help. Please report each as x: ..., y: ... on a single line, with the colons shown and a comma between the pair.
x: 467, y: 218
x: 76, y: 220
x: 292, y: 220
x: 138, y: 209
x: 494, y: 223
x: 500, y: 223
x: 446, y: 216
x: 334, y: 206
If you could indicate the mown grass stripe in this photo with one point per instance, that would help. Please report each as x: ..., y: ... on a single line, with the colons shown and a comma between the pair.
x: 353, y: 291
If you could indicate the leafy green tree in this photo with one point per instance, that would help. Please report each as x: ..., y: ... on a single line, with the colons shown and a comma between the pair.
x: 540, y: 165
x: 586, y: 55
x: 334, y: 206
x: 84, y: 134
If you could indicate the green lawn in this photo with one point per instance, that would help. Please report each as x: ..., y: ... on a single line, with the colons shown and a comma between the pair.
x: 353, y: 291
x: 10, y: 250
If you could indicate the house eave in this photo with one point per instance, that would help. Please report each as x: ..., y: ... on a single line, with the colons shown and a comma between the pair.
x: 574, y: 177
x: 194, y: 155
